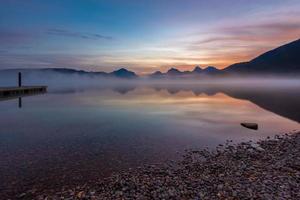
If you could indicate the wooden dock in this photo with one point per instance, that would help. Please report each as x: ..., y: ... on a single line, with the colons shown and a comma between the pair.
x: 6, y: 92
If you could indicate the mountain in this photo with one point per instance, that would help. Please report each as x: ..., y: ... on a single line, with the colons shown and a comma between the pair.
x: 197, y: 70
x: 61, y: 71
x: 157, y: 74
x: 195, y: 73
x: 282, y: 60
x: 173, y: 71
x: 210, y: 70
x: 120, y: 73
x: 123, y: 73
x: 56, y: 76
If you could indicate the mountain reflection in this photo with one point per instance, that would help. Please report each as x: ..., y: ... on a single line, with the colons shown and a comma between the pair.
x: 283, y: 101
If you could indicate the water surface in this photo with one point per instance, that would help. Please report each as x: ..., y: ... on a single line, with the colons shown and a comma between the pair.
x: 70, y: 136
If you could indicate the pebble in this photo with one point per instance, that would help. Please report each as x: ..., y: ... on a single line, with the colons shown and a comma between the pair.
x: 268, y: 169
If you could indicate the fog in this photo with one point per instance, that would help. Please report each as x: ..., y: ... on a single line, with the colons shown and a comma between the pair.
x: 277, y: 94
x: 58, y: 80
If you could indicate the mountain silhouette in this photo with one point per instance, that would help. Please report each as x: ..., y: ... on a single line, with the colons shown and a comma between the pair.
x: 197, y: 69
x: 282, y: 60
x: 174, y: 71
x: 123, y: 73
x: 120, y: 73
x: 210, y: 70
x: 157, y: 74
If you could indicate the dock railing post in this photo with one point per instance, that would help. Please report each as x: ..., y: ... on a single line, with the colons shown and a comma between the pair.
x: 20, y: 79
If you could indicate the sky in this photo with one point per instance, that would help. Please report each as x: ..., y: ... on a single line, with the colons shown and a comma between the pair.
x: 142, y: 35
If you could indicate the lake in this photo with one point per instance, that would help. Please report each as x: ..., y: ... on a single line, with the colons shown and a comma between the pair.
x: 71, y: 136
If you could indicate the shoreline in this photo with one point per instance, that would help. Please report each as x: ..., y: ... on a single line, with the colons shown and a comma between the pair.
x: 267, y: 169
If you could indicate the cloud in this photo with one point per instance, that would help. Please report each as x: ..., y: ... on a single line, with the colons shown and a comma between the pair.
x: 45, y: 60
x: 74, y: 34
x: 242, y: 41
x: 8, y: 37
x: 262, y: 32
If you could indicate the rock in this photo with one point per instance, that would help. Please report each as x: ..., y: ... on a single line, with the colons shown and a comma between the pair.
x: 220, y: 186
x: 267, y: 170
x: 80, y: 194
x: 253, y: 126
x: 22, y: 195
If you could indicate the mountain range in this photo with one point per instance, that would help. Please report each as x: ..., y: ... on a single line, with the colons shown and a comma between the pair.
x: 173, y: 72
x: 284, y: 60
x: 120, y: 73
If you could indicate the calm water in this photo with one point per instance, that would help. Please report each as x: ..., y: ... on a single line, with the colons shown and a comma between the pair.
x: 70, y: 136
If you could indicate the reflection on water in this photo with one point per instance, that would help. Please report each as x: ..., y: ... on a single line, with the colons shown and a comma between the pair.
x: 69, y: 136
x: 19, y: 97
x: 20, y: 102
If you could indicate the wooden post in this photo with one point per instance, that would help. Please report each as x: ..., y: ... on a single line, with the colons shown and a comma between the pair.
x: 20, y: 79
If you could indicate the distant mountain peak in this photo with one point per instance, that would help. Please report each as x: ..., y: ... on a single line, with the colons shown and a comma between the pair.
x: 211, y: 70
x: 121, y: 70
x: 123, y: 73
x: 197, y: 69
x: 157, y: 73
x: 173, y: 71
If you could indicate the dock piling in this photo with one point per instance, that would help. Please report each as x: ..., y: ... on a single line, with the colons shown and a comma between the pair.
x: 20, y: 79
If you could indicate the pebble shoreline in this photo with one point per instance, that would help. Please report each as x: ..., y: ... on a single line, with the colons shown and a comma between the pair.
x: 268, y: 169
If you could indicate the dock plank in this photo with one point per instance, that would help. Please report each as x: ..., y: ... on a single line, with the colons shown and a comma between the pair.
x: 14, y: 91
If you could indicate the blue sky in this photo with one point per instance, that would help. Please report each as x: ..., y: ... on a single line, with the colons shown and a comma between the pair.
x: 142, y: 35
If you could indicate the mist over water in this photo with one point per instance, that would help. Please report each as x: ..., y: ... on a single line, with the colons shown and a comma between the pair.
x: 66, y: 80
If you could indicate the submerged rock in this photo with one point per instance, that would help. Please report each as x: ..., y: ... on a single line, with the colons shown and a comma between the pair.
x: 253, y: 126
